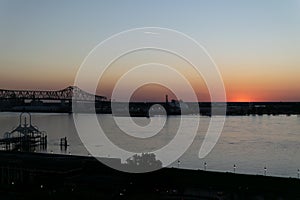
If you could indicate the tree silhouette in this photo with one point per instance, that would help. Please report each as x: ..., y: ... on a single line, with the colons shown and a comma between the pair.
x: 143, y: 163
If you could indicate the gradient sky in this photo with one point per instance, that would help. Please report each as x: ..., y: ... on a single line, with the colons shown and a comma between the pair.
x: 256, y: 44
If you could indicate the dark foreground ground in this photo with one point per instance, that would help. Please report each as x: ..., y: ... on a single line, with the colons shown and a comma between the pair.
x: 50, y: 176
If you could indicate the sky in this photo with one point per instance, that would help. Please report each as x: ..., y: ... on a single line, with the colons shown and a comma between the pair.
x: 255, y: 44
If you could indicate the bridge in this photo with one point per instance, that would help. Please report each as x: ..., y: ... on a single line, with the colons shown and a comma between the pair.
x: 68, y: 94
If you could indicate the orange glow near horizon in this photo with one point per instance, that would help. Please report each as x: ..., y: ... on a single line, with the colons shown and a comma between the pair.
x: 239, y: 99
x: 242, y: 84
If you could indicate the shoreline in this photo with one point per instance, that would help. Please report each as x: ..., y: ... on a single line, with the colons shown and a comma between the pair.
x: 144, y: 109
x: 55, y: 176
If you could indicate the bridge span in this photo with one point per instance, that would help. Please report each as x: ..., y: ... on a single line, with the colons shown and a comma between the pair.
x: 68, y: 94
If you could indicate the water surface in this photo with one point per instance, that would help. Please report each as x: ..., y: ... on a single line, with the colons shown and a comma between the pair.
x: 249, y: 142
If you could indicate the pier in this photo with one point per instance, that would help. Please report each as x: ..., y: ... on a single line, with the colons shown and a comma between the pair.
x: 25, y: 137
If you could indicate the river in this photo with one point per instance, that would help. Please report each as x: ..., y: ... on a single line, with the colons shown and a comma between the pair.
x: 249, y: 142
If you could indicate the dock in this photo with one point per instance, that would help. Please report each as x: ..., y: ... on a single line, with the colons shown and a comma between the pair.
x: 26, y: 137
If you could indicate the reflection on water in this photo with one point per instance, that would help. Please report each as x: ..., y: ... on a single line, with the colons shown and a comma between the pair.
x: 248, y: 142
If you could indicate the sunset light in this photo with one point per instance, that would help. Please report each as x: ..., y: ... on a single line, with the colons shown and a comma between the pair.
x: 149, y: 99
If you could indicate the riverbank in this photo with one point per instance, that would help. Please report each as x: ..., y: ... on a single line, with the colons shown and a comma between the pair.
x: 51, y: 176
x: 141, y: 109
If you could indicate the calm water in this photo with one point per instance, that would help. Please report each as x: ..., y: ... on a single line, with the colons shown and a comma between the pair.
x: 250, y: 142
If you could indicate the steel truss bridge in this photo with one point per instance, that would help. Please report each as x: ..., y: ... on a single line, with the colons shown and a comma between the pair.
x: 68, y: 94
